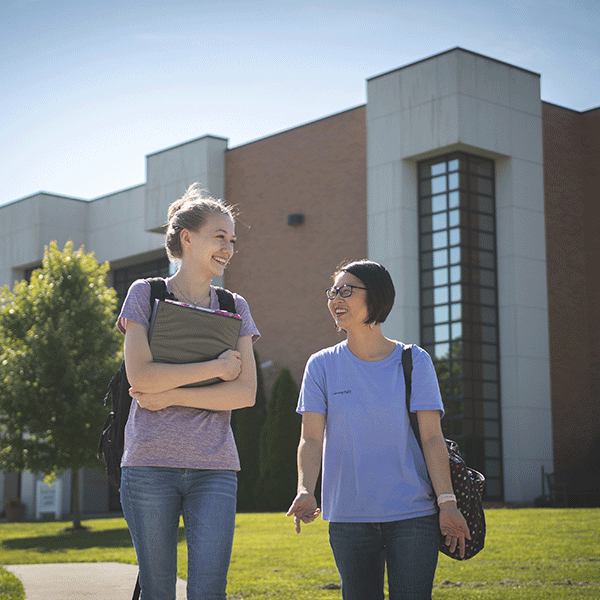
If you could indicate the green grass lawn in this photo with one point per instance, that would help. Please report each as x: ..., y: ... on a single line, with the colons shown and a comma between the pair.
x: 529, y: 554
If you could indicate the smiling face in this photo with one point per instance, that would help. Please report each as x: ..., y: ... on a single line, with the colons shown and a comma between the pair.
x: 211, y: 247
x: 352, y: 312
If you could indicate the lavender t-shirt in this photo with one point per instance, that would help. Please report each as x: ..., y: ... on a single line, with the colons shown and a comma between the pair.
x: 178, y: 437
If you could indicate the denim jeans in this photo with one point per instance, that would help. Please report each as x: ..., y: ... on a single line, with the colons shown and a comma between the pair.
x: 408, y: 547
x: 153, y: 499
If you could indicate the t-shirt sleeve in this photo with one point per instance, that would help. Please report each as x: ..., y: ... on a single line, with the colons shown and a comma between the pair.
x: 248, y: 325
x: 136, y: 306
x: 313, y: 395
x: 425, y: 393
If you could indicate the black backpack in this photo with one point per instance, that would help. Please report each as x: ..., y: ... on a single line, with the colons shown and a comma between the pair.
x: 112, y: 438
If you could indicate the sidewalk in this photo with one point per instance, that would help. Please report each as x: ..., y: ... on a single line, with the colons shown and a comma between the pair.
x: 80, y: 581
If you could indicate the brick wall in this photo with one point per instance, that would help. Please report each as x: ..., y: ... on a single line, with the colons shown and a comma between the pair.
x: 571, y: 271
x: 319, y: 170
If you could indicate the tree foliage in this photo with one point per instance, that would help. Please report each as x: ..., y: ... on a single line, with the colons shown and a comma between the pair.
x: 278, y: 445
x: 59, y: 351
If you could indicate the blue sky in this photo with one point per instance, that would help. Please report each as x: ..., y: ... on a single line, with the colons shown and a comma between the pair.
x: 90, y: 88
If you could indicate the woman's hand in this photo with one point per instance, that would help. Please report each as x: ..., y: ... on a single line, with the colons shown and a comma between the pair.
x: 153, y: 402
x: 304, y: 508
x: 454, y: 526
x: 231, y: 364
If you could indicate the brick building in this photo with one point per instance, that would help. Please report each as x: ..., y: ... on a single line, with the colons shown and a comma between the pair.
x: 480, y: 198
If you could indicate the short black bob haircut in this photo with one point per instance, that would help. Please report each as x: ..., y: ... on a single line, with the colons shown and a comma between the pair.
x: 380, y: 288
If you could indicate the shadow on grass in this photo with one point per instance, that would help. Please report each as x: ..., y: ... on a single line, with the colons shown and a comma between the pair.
x: 77, y: 540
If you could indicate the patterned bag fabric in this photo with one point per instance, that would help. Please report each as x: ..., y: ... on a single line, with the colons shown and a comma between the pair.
x: 467, y: 483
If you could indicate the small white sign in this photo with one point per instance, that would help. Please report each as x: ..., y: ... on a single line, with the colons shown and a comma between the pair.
x: 48, y: 499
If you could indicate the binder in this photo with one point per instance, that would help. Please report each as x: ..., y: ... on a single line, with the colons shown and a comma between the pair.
x: 181, y: 333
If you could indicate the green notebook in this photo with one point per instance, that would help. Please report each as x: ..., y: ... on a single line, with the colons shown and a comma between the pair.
x: 181, y: 333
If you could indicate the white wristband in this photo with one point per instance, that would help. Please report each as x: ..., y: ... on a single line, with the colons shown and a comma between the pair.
x: 446, y: 498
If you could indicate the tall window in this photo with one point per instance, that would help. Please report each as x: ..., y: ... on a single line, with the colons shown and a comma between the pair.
x: 124, y: 277
x: 459, y: 306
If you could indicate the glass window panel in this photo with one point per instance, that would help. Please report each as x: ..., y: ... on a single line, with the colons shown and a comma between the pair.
x: 488, y: 315
x: 453, y: 165
x: 426, y: 242
x: 426, y: 187
x: 427, y: 279
x: 492, y: 468
x: 438, y: 185
x: 427, y: 260
x: 438, y: 168
x: 481, y: 166
x: 491, y: 429
x: 440, y: 239
x: 427, y: 315
x: 439, y: 202
x: 486, y: 241
x: 484, y: 204
x: 455, y: 274
x: 442, y: 313
x: 492, y: 448
x: 493, y: 489
x: 426, y: 224
x: 440, y: 295
x: 489, y: 371
x: 454, y: 255
x: 441, y: 351
x: 454, y: 218
x: 453, y: 181
x: 489, y: 352
x: 427, y: 297
x: 440, y: 258
x: 453, y: 199
x: 484, y: 277
x: 440, y: 276
x: 488, y: 334
x: 486, y: 223
x: 442, y: 333
x: 440, y: 221
x: 456, y: 311
x: 427, y: 335
x: 488, y: 296
x: 425, y: 206
x: 486, y: 259
x: 483, y: 186
x: 457, y: 330
x: 455, y: 293
x: 454, y: 236
x: 490, y: 392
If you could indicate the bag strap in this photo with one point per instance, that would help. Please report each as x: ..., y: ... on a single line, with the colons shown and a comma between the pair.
x: 407, y: 368
x: 226, y: 299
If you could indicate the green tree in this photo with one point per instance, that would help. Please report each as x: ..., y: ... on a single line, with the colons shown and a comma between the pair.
x: 247, y: 424
x: 59, y: 349
x: 278, y: 445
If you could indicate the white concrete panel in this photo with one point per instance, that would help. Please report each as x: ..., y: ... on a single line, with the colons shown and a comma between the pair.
x: 532, y: 333
x: 429, y: 126
x: 480, y: 77
x: 524, y: 88
x: 483, y: 124
x: 525, y: 434
x: 530, y: 282
x: 427, y: 80
x: 527, y: 187
x: 381, y: 187
x: 523, y: 480
x: 384, y: 140
x: 507, y: 330
x: 383, y: 95
x: 526, y: 136
x: 533, y: 380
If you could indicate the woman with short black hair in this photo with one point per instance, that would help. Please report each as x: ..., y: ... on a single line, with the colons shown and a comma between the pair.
x: 379, y: 491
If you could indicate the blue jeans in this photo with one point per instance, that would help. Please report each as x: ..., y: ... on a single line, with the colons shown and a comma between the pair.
x: 408, y: 547
x: 153, y: 499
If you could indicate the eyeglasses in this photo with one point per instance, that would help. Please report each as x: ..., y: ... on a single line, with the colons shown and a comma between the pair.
x: 345, y: 291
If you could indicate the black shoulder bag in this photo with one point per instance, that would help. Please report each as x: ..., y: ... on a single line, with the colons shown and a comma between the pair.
x: 467, y: 483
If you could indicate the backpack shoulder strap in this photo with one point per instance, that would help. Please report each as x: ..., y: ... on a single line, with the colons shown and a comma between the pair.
x: 226, y: 300
x: 158, y: 290
x: 407, y: 368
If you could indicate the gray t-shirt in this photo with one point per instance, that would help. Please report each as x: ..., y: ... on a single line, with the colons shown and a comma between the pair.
x: 178, y: 437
